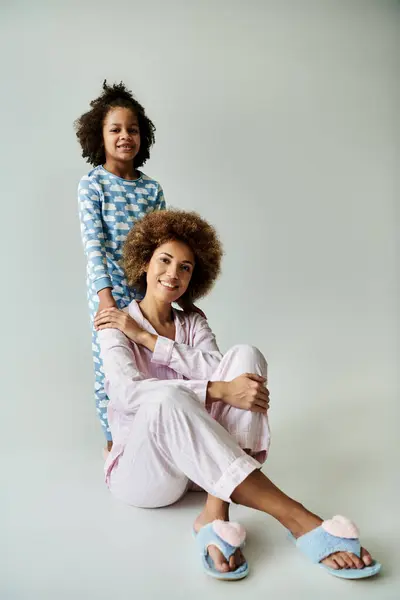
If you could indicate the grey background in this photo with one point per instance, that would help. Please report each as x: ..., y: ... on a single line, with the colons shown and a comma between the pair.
x: 278, y: 121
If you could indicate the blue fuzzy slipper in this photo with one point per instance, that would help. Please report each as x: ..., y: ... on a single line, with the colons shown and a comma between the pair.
x: 227, y: 537
x: 336, y: 535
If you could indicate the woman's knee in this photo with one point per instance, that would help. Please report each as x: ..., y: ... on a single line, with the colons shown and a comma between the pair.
x: 173, y: 398
x: 250, y: 353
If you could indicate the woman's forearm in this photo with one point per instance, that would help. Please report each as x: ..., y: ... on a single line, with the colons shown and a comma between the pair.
x: 146, y: 339
x: 216, y: 390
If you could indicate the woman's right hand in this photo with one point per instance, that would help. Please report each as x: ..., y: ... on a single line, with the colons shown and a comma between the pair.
x: 247, y: 392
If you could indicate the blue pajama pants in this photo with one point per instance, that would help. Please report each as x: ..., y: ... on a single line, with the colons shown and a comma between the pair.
x: 123, y: 297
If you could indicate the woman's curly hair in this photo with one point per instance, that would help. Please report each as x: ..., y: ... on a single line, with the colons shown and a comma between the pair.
x: 89, y: 127
x: 162, y: 226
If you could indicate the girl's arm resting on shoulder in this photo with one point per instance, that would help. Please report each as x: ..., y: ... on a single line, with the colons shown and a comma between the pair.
x: 106, y: 299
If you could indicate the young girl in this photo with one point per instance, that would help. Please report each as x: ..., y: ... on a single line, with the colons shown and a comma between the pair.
x: 116, y: 136
x: 181, y: 412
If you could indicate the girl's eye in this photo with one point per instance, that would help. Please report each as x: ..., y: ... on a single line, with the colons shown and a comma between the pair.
x: 135, y: 131
x: 186, y: 268
x: 113, y: 130
x: 164, y: 260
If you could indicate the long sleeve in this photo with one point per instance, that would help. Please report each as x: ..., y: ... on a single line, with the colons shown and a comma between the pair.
x: 125, y: 385
x: 92, y: 233
x: 160, y: 200
x: 198, y: 361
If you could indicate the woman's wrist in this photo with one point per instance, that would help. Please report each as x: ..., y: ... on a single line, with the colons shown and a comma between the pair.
x: 216, y: 391
x: 146, y: 339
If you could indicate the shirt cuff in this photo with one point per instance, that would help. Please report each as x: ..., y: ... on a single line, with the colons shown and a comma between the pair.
x: 102, y: 283
x: 162, y: 351
x: 199, y: 387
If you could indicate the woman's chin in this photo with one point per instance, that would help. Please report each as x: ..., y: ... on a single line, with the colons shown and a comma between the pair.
x: 168, y: 297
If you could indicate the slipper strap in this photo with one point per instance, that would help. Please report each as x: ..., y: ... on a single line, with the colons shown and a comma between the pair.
x: 317, y: 544
x: 207, y: 537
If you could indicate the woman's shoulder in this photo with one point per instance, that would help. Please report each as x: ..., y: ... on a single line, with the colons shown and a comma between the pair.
x: 192, y: 320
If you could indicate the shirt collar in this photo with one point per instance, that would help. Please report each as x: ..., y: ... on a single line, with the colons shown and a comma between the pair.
x: 136, y: 313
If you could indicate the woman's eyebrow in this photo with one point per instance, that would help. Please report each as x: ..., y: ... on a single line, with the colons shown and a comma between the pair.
x: 170, y: 256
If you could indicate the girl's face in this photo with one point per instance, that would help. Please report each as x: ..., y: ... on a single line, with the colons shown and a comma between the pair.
x: 121, y: 134
x: 169, y: 271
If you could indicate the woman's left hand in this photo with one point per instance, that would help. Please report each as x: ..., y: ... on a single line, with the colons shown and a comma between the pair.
x: 113, y: 318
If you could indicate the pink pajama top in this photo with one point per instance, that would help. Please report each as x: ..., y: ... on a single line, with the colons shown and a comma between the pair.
x: 132, y: 371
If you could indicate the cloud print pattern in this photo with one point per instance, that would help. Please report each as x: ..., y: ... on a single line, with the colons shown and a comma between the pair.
x: 108, y: 208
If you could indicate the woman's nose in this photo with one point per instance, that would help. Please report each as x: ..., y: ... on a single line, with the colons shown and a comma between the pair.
x: 172, y: 272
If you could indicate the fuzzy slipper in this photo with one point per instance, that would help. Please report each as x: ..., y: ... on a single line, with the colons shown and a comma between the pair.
x: 338, y: 534
x: 227, y: 537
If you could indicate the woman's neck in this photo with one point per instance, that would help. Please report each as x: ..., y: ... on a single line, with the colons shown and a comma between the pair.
x: 123, y: 170
x: 157, y: 313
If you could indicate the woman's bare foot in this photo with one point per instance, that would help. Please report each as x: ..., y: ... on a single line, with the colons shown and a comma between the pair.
x: 217, y: 509
x: 304, y: 521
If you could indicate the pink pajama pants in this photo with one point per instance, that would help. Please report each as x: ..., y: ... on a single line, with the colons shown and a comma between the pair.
x: 175, y: 441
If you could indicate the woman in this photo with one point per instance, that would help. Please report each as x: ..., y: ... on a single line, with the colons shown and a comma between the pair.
x: 180, y: 412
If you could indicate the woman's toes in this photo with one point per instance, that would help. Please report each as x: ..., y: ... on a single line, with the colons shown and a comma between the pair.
x: 340, y: 561
x: 330, y: 562
x: 358, y: 563
x: 239, y: 558
x: 366, y: 557
x: 232, y: 563
x: 236, y: 560
x: 218, y: 558
x: 348, y: 559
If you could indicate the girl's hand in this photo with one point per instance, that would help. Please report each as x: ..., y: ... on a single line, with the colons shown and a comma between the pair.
x: 113, y: 318
x: 247, y: 392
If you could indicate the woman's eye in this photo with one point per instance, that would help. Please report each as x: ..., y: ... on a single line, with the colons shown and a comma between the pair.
x: 186, y: 268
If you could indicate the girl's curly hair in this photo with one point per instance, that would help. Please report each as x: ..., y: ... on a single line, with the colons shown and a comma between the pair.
x: 159, y: 227
x: 89, y: 127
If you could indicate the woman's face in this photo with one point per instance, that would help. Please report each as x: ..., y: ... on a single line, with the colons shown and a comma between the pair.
x: 169, y: 271
x: 121, y: 134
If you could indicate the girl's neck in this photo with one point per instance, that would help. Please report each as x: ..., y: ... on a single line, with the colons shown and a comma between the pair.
x: 123, y: 170
x: 157, y: 313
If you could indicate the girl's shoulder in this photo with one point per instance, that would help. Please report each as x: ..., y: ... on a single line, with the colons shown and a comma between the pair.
x: 101, y: 177
x: 94, y: 174
x: 92, y: 179
x: 148, y: 182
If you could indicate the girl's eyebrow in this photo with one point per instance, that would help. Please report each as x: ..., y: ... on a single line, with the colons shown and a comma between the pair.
x: 134, y: 124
